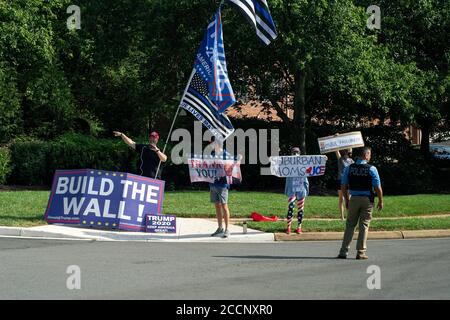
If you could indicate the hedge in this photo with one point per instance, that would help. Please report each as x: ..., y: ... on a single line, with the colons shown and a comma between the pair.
x: 34, y: 162
x: 402, y: 168
x: 5, y: 164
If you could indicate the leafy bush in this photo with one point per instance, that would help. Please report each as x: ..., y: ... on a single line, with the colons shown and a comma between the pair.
x: 29, y: 159
x: 5, y: 164
x: 35, y: 161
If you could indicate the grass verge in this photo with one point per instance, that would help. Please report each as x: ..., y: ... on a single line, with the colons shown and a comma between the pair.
x: 26, y: 208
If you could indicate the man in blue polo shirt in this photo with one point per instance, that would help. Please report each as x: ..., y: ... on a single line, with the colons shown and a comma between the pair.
x: 358, y: 181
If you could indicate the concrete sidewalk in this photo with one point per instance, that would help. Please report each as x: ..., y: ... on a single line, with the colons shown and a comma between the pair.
x: 188, y: 230
x: 199, y: 230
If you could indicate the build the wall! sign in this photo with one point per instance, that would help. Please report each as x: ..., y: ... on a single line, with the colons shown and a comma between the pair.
x: 103, y: 199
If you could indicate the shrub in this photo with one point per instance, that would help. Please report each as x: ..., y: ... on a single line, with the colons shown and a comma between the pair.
x: 35, y: 161
x: 5, y: 164
x: 29, y: 159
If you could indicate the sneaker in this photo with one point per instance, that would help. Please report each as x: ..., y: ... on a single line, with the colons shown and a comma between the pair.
x: 361, y: 257
x: 226, y: 234
x: 288, y: 231
x: 298, y: 230
x: 341, y: 256
x: 218, y: 232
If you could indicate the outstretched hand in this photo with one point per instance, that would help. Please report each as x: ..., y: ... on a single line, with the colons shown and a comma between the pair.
x: 117, y: 133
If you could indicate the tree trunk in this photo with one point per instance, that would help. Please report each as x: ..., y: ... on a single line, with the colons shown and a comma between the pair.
x: 299, y: 133
x: 425, y: 142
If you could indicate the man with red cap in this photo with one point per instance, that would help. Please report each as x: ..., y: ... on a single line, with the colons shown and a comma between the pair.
x: 149, y: 154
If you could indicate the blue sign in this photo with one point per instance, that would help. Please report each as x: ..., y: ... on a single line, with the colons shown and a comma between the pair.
x: 103, y: 199
x: 161, y: 223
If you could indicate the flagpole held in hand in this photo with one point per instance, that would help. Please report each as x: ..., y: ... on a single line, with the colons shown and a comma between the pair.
x: 173, y: 121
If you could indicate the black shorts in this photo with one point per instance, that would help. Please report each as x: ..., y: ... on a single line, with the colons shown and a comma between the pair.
x: 338, y: 184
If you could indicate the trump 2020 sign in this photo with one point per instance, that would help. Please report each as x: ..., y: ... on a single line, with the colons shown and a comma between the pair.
x: 103, y: 199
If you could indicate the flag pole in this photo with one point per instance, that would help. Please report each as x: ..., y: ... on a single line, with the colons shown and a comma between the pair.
x: 174, y: 118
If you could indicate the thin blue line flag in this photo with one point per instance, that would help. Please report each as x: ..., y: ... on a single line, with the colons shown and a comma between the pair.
x: 258, y: 14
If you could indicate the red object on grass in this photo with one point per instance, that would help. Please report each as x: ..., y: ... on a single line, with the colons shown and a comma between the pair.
x: 259, y: 217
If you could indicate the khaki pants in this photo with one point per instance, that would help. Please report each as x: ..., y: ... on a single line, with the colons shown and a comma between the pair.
x: 359, y: 208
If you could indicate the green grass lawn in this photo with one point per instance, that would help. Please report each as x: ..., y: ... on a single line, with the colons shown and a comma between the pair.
x: 26, y: 208
x: 242, y: 204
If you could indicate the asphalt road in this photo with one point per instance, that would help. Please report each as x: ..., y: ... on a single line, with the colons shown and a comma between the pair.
x: 37, y: 269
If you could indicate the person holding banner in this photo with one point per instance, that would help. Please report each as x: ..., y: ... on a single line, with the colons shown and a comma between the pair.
x: 296, y: 188
x: 358, y: 180
x: 149, y: 155
x: 219, y: 193
x: 344, y: 160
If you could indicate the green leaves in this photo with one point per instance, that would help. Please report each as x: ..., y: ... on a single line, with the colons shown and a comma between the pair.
x: 129, y: 62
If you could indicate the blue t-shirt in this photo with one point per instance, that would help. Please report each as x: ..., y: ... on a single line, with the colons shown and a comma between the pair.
x: 373, y: 173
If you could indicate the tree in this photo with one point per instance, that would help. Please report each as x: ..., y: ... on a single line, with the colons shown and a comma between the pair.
x: 418, y: 32
x: 325, y: 64
x: 10, y: 110
x: 38, y: 98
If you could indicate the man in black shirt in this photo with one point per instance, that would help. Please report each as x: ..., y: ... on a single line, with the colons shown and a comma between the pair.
x: 149, y: 155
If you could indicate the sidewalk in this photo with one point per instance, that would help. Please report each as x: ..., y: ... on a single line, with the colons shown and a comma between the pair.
x: 199, y: 230
x: 188, y: 230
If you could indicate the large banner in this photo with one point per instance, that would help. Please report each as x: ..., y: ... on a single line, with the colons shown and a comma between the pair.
x: 210, y: 169
x: 341, y: 141
x: 103, y: 199
x: 298, y: 166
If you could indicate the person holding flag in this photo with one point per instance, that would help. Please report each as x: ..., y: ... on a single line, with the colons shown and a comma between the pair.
x: 219, y: 194
x: 149, y: 154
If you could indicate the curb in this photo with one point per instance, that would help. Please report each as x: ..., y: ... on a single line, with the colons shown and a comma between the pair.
x: 373, y: 235
x: 11, y: 231
x: 269, y: 237
x: 74, y: 233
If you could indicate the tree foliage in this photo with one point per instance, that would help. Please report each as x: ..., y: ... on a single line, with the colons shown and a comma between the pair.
x: 128, y: 64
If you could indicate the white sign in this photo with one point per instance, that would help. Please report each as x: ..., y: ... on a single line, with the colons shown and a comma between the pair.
x: 298, y: 166
x: 215, y: 169
x: 341, y: 141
